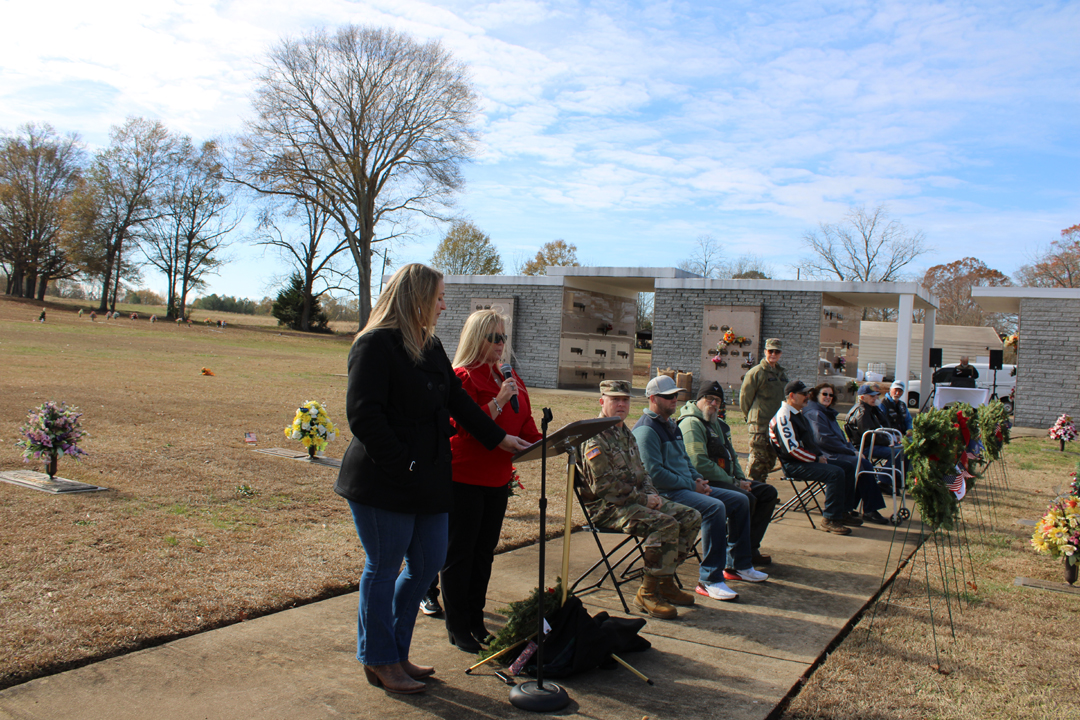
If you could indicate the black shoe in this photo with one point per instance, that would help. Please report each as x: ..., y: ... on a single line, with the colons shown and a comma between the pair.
x: 851, y: 519
x: 481, y: 635
x: 463, y: 642
x: 875, y: 517
x: 430, y: 606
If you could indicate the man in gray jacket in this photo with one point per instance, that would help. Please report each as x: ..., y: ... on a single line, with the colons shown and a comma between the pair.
x: 674, y: 476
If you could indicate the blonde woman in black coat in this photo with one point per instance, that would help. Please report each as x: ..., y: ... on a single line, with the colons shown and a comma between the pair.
x: 396, y: 472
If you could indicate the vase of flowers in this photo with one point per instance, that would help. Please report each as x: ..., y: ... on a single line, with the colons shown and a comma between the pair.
x: 52, y: 430
x: 312, y: 427
x: 1057, y: 534
x: 1063, y: 430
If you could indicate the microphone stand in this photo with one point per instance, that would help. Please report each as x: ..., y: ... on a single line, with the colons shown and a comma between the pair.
x: 535, y: 696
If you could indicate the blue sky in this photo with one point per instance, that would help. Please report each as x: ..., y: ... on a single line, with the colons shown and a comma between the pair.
x: 630, y: 129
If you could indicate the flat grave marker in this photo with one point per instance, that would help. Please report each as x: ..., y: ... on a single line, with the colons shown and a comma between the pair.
x: 42, y: 482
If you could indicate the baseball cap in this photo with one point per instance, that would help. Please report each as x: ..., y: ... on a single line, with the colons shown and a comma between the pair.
x: 897, y: 384
x: 796, y: 386
x: 867, y: 389
x: 661, y: 385
x: 615, y: 388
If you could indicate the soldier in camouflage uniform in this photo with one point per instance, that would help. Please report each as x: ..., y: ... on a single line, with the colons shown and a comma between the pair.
x: 760, y: 398
x: 622, y: 497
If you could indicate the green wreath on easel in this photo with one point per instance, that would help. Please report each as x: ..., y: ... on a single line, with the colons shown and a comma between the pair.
x: 994, y: 428
x: 932, y: 451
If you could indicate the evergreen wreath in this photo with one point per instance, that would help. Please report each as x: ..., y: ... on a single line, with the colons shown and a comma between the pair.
x: 968, y: 417
x: 932, y: 452
x: 994, y: 428
x: 521, y: 618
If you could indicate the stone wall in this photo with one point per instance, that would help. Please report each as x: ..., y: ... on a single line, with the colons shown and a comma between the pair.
x: 537, y: 324
x: 1048, y: 378
x: 794, y: 317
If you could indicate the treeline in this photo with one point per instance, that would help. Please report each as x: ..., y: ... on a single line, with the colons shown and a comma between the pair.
x: 150, y: 198
x: 226, y: 303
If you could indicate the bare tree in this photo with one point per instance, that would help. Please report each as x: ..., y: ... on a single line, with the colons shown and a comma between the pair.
x: 706, y: 259
x: 557, y: 253
x: 1057, y: 266
x: 311, y: 254
x: 748, y: 267
x: 127, y: 174
x: 367, y: 123
x: 866, y: 247
x: 466, y: 250
x: 643, y: 311
x: 193, y: 219
x: 39, y: 172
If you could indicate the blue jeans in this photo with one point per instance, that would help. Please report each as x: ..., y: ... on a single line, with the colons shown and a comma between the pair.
x: 714, y: 533
x: 390, y: 600
x: 864, y: 488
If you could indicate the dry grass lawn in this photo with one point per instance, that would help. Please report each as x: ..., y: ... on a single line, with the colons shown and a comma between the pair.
x: 173, y: 548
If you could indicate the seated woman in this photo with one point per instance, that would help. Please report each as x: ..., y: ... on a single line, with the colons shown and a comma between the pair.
x: 821, y: 415
x: 480, y: 475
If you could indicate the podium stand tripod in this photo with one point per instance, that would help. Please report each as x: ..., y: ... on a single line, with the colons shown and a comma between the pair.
x: 535, y: 695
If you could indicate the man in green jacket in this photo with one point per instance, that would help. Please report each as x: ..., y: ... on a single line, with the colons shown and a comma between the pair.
x: 708, y: 443
x: 760, y: 398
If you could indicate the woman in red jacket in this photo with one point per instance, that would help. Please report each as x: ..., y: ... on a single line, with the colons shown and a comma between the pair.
x: 480, y: 475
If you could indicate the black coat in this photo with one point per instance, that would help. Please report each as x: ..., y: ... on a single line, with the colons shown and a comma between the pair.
x: 399, y: 414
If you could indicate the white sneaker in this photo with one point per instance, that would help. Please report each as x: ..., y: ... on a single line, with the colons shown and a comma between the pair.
x: 752, y: 575
x: 717, y: 591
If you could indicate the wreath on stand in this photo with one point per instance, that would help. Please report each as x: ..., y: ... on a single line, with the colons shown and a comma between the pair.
x: 521, y: 618
x: 994, y: 428
x: 932, y: 452
x: 970, y: 460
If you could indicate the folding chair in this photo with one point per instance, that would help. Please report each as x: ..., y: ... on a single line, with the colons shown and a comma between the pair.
x: 801, y: 498
x: 611, y: 560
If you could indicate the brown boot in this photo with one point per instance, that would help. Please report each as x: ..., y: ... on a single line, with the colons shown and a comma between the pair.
x: 667, y: 588
x: 392, y: 678
x: 651, y: 602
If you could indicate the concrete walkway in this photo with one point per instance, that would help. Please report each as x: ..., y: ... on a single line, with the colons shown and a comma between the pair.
x: 732, y: 660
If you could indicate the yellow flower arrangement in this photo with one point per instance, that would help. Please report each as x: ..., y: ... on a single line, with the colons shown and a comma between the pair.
x: 1058, y: 533
x: 312, y: 427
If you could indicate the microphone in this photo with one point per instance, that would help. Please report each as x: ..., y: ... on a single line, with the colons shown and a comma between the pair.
x: 507, y: 372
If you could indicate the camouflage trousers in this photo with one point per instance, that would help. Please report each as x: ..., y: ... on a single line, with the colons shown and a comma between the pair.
x: 669, y: 532
x: 762, y: 455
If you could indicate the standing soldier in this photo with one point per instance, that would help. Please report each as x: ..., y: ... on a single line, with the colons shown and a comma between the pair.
x: 623, y: 498
x: 760, y: 398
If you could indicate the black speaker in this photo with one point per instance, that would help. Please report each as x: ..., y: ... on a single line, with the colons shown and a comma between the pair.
x: 935, y: 357
x: 997, y: 357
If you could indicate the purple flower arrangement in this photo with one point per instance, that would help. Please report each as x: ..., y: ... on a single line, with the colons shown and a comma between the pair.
x: 52, y: 430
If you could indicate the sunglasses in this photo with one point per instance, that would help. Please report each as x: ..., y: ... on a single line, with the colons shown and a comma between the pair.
x: 772, y: 352
x: 825, y: 394
x: 495, y: 338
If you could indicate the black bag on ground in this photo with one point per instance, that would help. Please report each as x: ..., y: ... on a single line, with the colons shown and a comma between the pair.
x: 579, y: 642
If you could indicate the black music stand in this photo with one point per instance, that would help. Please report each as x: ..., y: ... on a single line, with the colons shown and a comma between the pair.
x: 534, y: 695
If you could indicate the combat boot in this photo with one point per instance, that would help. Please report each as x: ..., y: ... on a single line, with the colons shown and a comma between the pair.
x: 670, y: 591
x: 653, y: 603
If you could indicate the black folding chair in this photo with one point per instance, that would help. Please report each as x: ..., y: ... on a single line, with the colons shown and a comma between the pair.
x: 618, y: 567
x: 801, y: 499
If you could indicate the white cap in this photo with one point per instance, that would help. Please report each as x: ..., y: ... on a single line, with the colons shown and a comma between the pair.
x: 661, y: 385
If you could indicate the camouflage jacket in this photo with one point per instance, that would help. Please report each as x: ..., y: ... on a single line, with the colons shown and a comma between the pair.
x: 614, y: 473
x: 762, y: 394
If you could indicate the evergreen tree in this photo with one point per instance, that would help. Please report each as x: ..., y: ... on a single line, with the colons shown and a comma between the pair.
x: 289, y: 307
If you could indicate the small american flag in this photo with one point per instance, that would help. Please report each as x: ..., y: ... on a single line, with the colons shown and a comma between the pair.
x: 956, y: 483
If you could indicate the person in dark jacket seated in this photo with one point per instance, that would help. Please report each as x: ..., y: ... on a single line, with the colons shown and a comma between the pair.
x: 867, y: 416
x: 821, y: 415
x: 895, y: 408
x: 801, y: 458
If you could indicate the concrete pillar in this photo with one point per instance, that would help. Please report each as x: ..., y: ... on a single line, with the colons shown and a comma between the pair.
x: 903, y: 340
x: 930, y: 317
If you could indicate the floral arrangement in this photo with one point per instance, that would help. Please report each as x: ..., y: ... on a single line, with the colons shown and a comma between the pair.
x: 852, y: 386
x: 994, y: 428
x: 312, y: 427
x: 1012, y: 340
x: 521, y: 618
x: 1063, y: 430
x: 52, y: 430
x: 933, y: 451
x: 730, y: 338
x: 515, y: 482
x: 1058, y: 533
